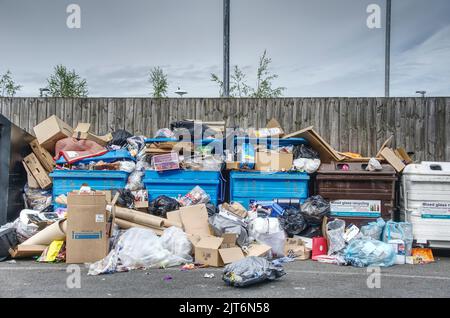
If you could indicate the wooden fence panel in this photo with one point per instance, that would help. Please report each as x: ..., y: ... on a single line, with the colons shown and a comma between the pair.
x: 421, y: 125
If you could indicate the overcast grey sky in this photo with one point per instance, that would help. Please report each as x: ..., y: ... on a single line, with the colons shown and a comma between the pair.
x: 318, y: 47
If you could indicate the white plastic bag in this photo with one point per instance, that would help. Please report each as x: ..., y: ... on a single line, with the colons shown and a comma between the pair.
x: 268, y: 231
x: 177, y: 242
x: 142, y: 248
x: 335, y: 233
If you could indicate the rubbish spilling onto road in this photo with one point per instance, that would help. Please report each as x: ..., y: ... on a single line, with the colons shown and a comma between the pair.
x: 121, y: 202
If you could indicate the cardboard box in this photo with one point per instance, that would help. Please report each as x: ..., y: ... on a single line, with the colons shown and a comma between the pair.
x: 50, y: 131
x: 296, y: 249
x: 195, y: 220
x: 38, y: 172
x: 267, y: 160
x: 257, y: 250
x: 44, y: 157
x: 82, y: 132
x: 232, y: 165
x: 86, y: 239
x: 209, y: 251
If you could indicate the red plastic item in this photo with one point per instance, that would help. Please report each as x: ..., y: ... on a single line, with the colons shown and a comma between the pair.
x: 319, y: 247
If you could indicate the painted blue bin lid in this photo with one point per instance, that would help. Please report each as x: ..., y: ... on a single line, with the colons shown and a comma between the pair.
x: 110, y: 156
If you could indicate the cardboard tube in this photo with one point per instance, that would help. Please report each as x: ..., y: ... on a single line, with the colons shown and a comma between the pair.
x: 169, y: 223
x: 138, y: 217
x: 123, y: 224
x: 56, y: 231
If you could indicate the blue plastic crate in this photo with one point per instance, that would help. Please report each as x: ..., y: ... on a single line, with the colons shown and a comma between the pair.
x: 179, y: 182
x: 254, y: 185
x: 65, y: 181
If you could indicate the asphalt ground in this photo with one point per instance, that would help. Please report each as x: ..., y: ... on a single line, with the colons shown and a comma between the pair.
x: 303, y: 279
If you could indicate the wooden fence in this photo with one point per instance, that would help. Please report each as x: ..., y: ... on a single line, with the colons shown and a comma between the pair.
x: 421, y: 125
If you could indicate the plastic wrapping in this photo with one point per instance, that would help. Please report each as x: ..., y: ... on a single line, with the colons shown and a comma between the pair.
x: 8, y: 239
x: 135, y: 145
x: 307, y: 165
x: 37, y: 199
x: 399, y: 231
x: 304, y: 151
x: 196, y: 196
x: 373, y: 229
x: 163, y: 204
x: 367, y: 252
x: 127, y: 166
x: 142, y: 248
x: 125, y: 199
x: 335, y: 233
x: 223, y: 225
x: 374, y: 165
x: 135, y: 178
x: 177, y: 242
x: 164, y: 133
x: 314, y: 209
x: 268, y: 231
x: 292, y: 222
x: 251, y: 270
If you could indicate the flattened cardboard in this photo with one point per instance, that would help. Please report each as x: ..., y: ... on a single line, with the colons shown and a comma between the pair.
x: 44, y: 157
x: 230, y: 255
x: 273, y: 123
x: 257, y: 250
x: 393, y: 160
x: 86, y: 239
x: 326, y: 152
x: 38, y: 172
x: 27, y: 251
x: 82, y: 132
x: 174, y: 216
x: 273, y: 161
x: 232, y: 165
x: 403, y: 155
x: 31, y: 181
x: 195, y: 220
x: 386, y: 143
x: 50, y: 131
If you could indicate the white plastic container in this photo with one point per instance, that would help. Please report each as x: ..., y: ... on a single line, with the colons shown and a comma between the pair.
x: 425, y: 201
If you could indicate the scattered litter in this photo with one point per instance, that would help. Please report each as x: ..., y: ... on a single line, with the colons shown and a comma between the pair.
x: 210, y: 275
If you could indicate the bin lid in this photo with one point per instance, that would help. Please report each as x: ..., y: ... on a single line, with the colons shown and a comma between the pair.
x: 353, y: 168
x: 435, y: 168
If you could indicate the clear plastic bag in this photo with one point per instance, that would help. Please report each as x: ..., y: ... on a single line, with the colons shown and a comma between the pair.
x: 399, y: 231
x: 268, y: 231
x: 314, y: 209
x: 127, y: 166
x: 373, y: 229
x: 251, y: 270
x: 135, y: 178
x: 223, y: 225
x: 367, y: 252
x: 335, y: 233
x: 177, y: 242
x: 142, y: 248
x: 196, y: 196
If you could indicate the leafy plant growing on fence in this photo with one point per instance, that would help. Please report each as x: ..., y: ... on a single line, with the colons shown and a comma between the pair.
x: 8, y: 88
x: 264, y: 79
x: 65, y: 83
x: 159, y: 82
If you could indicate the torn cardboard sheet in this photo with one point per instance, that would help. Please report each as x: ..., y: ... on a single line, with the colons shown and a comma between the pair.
x: 195, y: 220
x: 81, y: 132
x: 326, y: 152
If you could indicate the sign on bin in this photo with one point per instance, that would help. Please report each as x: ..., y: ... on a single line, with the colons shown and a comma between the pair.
x: 435, y: 210
x: 359, y: 208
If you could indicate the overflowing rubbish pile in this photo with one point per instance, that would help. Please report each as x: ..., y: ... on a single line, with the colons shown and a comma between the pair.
x: 121, y: 202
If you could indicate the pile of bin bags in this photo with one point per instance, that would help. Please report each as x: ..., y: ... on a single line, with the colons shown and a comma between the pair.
x: 378, y: 243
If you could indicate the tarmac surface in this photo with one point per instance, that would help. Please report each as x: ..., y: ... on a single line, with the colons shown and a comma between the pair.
x: 303, y: 279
